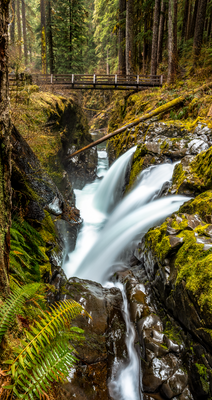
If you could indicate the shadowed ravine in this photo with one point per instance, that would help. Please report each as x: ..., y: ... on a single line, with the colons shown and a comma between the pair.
x: 111, y: 226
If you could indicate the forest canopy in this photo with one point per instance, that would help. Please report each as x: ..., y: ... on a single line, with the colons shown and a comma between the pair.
x: 115, y: 36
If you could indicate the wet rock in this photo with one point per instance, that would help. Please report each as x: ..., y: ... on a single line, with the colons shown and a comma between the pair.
x: 175, y: 242
x: 175, y: 385
x: 150, y: 322
x: 104, y: 339
x: 186, y: 395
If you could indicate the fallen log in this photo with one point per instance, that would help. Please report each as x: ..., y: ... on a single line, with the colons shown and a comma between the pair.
x: 162, y: 109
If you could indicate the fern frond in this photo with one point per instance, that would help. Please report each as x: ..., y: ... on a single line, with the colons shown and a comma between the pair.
x: 47, y: 328
x: 55, y: 366
x: 15, y: 303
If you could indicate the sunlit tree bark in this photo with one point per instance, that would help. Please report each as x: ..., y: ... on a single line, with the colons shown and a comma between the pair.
x: 5, y: 151
x: 43, y: 35
x: 129, y: 37
x: 19, y: 28
x: 121, y: 37
x: 24, y: 31
x: 12, y: 24
x: 49, y: 36
x: 155, y: 38
x: 172, y: 41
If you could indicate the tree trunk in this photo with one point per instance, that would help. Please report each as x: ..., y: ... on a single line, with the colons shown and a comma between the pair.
x: 185, y: 20
x: 129, y: 38
x: 70, y: 33
x: 24, y: 31
x: 121, y: 37
x: 19, y: 29
x: 193, y: 20
x: 172, y: 41
x: 155, y: 38
x: 107, y: 64
x: 198, y: 34
x: 161, y: 32
x: 49, y: 36
x: 5, y: 151
x: 43, y: 36
x: 12, y: 24
x: 145, y: 46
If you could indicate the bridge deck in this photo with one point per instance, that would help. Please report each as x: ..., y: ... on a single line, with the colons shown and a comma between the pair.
x: 72, y: 81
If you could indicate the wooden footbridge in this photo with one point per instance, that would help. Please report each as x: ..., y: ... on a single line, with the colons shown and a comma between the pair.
x: 103, y: 82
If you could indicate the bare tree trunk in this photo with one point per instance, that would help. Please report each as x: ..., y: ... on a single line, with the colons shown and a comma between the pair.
x: 43, y: 36
x: 5, y: 151
x: 70, y: 33
x: 185, y: 20
x: 19, y: 28
x: 161, y: 32
x: 121, y: 37
x: 172, y: 41
x: 145, y: 46
x: 199, y: 27
x: 49, y: 36
x: 24, y: 31
x: 193, y: 20
x: 129, y: 37
x: 12, y: 24
x: 155, y: 38
x: 108, y: 65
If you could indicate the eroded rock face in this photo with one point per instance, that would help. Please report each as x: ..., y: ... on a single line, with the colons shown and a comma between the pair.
x: 36, y: 194
x: 104, y: 338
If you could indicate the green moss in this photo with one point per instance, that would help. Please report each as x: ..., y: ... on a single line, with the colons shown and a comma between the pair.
x: 47, y: 231
x: 201, y: 169
x: 137, y: 164
x: 178, y: 175
x: 180, y: 225
x: 195, y: 267
x: 172, y: 333
x: 164, y: 146
x: 201, y: 205
x: 203, y: 372
x: 158, y: 241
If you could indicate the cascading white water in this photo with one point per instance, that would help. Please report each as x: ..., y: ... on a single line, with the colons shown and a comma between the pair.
x: 98, y: 248
x: 125, y: 383
x: 111, y: 188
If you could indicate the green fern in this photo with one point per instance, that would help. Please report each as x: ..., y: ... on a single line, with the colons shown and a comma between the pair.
x: 54, y: 366
x: 26, y: 253
x: 47, y: 329
x: 14, y: 304
x: 47, y: 354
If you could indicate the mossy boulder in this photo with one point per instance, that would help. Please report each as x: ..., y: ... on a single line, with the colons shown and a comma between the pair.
x: 178, y: 260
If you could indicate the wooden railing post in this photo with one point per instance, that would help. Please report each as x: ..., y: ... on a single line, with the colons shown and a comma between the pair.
x: 137, y: 79
x: 51, y: 78
x: 161, y: 80
x: 94, y: 79
x: 115, y: 80
x: 72, y: 80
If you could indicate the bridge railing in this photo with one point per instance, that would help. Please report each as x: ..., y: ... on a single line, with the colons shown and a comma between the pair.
x: 80, y: 81
x: 88, y: 79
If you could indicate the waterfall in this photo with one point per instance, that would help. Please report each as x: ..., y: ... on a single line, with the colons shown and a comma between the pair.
x: 111, y: 188
x: 110, y: 226
x: 125, y: 383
